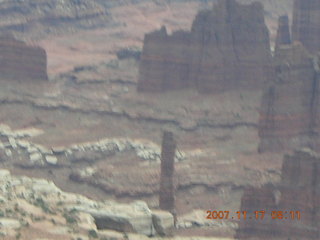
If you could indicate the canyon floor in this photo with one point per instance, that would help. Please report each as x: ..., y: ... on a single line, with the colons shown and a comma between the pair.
x: 91, y: 97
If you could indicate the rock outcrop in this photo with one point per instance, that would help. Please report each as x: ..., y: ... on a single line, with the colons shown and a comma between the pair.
x: 227, y: 48
x: 29, y: 204
x: 19, y: 61
x: 289, y: 116
x: 283, y: 32
x: 294, y: 200
x: 166, y: 198
x: 306, y: 23
x: 253, y: 200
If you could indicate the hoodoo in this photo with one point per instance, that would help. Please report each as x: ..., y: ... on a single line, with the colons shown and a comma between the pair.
x: 283, y: 33
x: 289, y: 116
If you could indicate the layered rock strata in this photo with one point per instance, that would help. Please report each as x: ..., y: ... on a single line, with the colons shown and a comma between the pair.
x: 289, y: 116
x: 306, y: 23
x: 28, y: 202
x: 19, y: 61
x: 36, y: 18
x: 295, y: 201
x: 227, y: 48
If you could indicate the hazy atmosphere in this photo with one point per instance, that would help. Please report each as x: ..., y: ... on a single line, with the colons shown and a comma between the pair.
x: 159, y: 119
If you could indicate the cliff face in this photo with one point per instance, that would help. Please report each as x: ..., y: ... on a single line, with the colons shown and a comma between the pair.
x: 306, y: 23
x: 227, y: 48
x: 19, y: 61
x: 297, y: 191
x: 289, y: 115
x: 165, y: 61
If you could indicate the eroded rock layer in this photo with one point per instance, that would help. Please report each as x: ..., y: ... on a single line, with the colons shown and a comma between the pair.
x: 37, y: 18
x: 289, y: 115
x: 291, y: 207
x: 306, y: 23
x: 227, y: 48
x: 19, y: 61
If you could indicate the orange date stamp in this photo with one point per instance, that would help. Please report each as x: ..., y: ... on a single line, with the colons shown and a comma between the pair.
x: 254, y: 215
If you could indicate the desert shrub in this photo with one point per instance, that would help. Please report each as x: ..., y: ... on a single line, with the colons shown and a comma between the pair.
x: 92, y: 234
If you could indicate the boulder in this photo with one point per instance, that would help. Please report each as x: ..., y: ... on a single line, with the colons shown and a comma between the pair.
x: 52, y: 160
x: 134, y: 218
x: 163, y: 222
x: 35, y: 157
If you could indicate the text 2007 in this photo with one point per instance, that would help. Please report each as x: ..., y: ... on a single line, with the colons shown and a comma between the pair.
x: 217, y: 214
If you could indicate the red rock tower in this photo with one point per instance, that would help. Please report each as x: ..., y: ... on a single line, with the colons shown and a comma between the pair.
x: 289, y: 113
x: 227, y: 48
x: 166, y: 198
x: 291, y: 207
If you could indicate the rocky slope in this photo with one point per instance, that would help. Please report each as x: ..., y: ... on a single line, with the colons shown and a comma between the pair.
x: 36, y: 209
x: 227, y: 48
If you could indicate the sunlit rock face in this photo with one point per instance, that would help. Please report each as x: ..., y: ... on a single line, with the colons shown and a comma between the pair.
x: 306, y: 23
x: 291, y: 207
x: 21, y: 62
x: 227, y: 48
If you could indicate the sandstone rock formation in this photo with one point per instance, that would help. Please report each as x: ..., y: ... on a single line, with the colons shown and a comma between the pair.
x: 227, y: 48
x: 19, y: 61
x: 257, y: 199
x: 283, y: 32
x: 306, y: 23
x: 166, y: 198
x: 298, y: 191
x: 289, y: 116
x: 28, y: 204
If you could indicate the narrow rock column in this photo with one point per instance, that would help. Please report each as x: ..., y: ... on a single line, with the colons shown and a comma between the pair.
x: 283, y: 33
x: 166, y: 198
